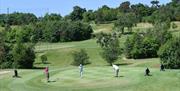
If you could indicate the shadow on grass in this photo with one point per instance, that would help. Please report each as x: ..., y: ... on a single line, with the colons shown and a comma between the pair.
x: 42, y: 63
x: 51, y: 81
x: 16, y: 76
x: 148, y: 75
x: 121, y: 64
x: 118, y: 76
x: 38, y: 68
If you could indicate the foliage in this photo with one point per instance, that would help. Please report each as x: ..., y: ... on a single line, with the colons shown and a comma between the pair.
x: 110, y: 47
x: 146, y: 45
x: 77, y: 13
x: 105, y: 14
x: 17, y: 18
x: 51, y: 31
x: 2, y: 50
x: 141, y: 11
x: 169, y: 53
x: 164, y: 14
x: 80, y: 57
x: 125, y: 20
x: 88, y: 16
x: 52, y: 17
x: 44, y: 59
x: 125, y: 7
x: 23, y: 55
x: 174, y: 25
x: 155, y: 3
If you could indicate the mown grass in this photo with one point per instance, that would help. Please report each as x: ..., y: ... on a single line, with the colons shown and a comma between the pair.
x: 94, y: 79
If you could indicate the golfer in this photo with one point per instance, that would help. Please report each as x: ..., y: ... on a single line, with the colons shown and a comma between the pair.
x: 116, y: 68
x: 47, y: 73
x: 81, y: 70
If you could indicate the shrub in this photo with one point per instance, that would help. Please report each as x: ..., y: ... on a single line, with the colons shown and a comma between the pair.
x: 174, y: 25
x: 169, y: 53
x: 44, y: 59
x: 80, y: 57
x: 23, y: 55
x: 146, y: 45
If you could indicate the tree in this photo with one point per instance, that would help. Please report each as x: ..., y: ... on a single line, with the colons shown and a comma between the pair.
x: 17, y: 18
x: 163, y: 14
x: 77, y: 13
x: 125, y: 20
x: 105, y: 14
x: 155, y: 3
x: 177, y: 13
x: 2, y: 50
x: 146, y: 45
x: 52, y: 17
x: 23, y: 55
x: 88, y: 16
x: 44, y: 59
x: 174, y: 25
x: 125, y: 7
x: 169, y: 53
x: 141, y: 11
x: 110, y: 47
x: 80, y: 57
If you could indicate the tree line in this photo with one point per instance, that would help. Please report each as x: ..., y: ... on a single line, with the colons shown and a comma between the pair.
x: 104, y: 14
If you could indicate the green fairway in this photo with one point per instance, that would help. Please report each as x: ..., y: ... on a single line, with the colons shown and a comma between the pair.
x: 95, y: 78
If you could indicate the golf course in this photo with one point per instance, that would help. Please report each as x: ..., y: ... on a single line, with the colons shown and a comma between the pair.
x: 91, y: 45
x: 98, y: 76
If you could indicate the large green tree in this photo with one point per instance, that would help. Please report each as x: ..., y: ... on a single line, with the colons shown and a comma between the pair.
x: 77, y: 13
x: 88, y: 16
x: 170, y: 53
x: 125, y: 7
x: 105, y: 14
x: 110, y: 47
x: 23, y: 55
x: 125, y: 20
x: 141, y: 11
x: 155, y: 3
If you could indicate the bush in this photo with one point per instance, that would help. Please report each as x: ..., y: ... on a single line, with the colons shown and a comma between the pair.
x: 44, y: 59
x: 146, y: 45
x: 169, y: 53
x: 174, y: 25
x: 23, y: 55
x: 80, y: 57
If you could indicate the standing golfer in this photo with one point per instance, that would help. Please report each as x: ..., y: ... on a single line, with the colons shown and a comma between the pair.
x: 162, y: 68
x: 47, y: 73
x: 81, y: 70
x: 15, y: 73
x: 116, y: 68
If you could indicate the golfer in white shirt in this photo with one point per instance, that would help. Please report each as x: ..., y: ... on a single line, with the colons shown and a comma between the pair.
x: 81, y: 70
x: 116, y: 68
